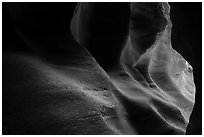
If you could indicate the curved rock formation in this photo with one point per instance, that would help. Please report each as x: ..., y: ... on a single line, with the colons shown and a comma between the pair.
x: 58, y: 87
x: 158, y: 68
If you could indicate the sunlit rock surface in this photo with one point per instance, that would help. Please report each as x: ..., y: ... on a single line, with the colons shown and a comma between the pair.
x: 152, y: 93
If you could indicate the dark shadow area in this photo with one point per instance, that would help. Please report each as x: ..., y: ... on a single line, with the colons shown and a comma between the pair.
x: 42, y: 30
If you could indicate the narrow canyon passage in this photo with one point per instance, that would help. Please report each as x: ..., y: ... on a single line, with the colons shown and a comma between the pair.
x: 94, y: 69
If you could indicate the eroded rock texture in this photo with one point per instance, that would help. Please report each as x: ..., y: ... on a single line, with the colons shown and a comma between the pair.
x: 61, y: 88
x: 155, y: 84
x: 157, y: 68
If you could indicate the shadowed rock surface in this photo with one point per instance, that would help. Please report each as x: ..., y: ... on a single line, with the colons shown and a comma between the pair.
x: 59, y: 87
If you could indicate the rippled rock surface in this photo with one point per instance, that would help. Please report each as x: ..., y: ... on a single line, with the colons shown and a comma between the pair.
x: 66, y: 91
x: 157, y: 75
x: 155, y: 84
